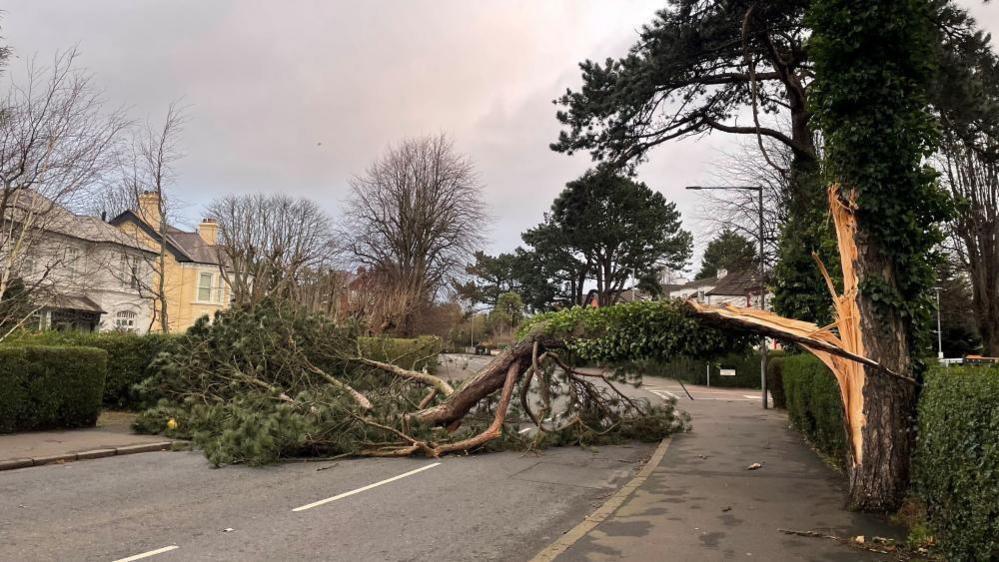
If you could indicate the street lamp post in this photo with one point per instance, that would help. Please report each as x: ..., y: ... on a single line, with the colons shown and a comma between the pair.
x: 763, y: 290
x: 940, y: 353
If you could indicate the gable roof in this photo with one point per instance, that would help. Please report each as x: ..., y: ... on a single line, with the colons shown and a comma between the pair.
x: 184, y: 245
x: 60, y: 220
x: 737, y: 284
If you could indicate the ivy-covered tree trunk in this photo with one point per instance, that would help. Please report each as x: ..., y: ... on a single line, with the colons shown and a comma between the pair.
x: 873, y: 62
x: 879, y: 468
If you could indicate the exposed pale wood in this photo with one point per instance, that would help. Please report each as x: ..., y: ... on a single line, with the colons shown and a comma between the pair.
x: 427, y: 379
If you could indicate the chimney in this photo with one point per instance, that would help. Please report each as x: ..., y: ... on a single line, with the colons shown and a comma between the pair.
x: 149, y: 208
x: 721, y: 273
x: 209, y: 231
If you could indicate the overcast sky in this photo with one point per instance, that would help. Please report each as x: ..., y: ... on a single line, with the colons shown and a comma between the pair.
x: 297, y: 96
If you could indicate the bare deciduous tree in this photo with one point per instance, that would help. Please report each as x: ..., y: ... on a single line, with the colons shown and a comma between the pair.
x: 414, y: 218
x: 973, y: 179
x: 145, y: 172
x: 57, y: 140
x: 274, y: 245
x: 738, y: 210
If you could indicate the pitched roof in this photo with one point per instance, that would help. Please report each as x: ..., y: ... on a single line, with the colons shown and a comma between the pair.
x: 695, y: 284
x: 186, y: 246
x: 738, y: 284
x: 53, y: 217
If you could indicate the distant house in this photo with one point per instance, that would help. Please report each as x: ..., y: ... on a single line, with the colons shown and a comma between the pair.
x: 739, y: 288
x: 193, y: 282
x: 84, y: 272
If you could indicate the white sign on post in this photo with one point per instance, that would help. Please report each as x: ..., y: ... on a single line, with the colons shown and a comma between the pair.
x: 727, y: 372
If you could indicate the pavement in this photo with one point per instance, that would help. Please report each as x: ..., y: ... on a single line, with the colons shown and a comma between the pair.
x: 111, y: 437
x: 701, y: 502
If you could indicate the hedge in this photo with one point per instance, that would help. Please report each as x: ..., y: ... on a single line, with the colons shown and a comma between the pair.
x: 814, y: 405
x: 956, y: 470
x: 129, y: 356
x: 775, y: 381
x: 410, y: 353
x: 694, y: 371
x: 50, y: 387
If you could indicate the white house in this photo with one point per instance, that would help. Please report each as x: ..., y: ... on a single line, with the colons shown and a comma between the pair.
x: 85, y: 273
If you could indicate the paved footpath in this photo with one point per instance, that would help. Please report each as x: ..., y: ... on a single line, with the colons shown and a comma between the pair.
x: 111, y: 437
x: 701, y: 503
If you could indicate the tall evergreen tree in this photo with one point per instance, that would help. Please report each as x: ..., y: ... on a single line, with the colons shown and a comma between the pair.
x: 729, y: 250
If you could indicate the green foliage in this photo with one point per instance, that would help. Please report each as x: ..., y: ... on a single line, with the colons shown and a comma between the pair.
x: 508, y: 312
x: 694, y: 370
x: 729, y: 250
x: 50, y: 387
x: 491, y: 277
x: 653, y: 330
x: 814, y: 405
x: 129, y: 357
x: 686, y: 75
x: 410, y: 353
x: 775, y: 381
x: 873, y: 66
x: 605, y: 227
x: 957, y: 460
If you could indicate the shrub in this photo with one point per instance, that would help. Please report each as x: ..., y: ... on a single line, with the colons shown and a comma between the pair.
x: 410, y: 353
x: 956, y: 470
x: 775, y: 381
x: 694, y: 371
x: 814, y: 405
x: 129, y: 357
x: 48, y: 387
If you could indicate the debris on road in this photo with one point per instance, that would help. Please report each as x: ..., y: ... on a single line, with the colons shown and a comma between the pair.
x: 754, y: 466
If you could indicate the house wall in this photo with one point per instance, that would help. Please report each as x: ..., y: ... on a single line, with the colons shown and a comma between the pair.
x: 181, y: 286
x: 71, y: 266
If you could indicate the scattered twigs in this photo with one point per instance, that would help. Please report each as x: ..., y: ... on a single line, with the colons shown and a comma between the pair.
x: 878, y: 544
x: 414, y: 444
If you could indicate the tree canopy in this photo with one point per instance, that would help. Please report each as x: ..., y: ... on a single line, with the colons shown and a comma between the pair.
x: 729, y: 250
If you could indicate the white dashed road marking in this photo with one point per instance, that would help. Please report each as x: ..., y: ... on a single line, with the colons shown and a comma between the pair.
x: 148, y: 554
x: 364, y: 488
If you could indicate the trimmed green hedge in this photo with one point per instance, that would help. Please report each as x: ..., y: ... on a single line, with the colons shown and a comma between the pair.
x: 814, y: 405
x: 410, y: 353
x: 694, y: 371
x: 957, y: 460
x: 129, y: 356
x: 50, y: 387
x: 775, y: 381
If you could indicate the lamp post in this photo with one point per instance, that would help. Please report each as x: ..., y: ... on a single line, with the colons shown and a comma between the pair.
x: 763, y: 290
x: 940, y: 353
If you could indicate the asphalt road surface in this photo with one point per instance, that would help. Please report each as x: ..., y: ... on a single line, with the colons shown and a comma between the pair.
x: 504, y: 506
x: 172, y: 506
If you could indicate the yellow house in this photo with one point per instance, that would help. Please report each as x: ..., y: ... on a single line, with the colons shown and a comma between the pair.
x: 193, y: 284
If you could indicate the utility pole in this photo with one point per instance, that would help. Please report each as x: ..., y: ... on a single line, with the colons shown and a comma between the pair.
x: 940, y: 353
x: 763, y: 288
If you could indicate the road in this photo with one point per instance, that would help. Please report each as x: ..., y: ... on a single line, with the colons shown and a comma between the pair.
x: 173, y: 506
x: 504, y: 506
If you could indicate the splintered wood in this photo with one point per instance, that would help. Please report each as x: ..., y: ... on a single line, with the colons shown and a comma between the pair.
x: 840, y: 345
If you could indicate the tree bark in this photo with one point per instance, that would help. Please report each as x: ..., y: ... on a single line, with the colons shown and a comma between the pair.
x: 879, y: 411
x: 490, y: 379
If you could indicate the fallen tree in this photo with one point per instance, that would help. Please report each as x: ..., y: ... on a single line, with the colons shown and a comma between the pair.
x: 274, y: 381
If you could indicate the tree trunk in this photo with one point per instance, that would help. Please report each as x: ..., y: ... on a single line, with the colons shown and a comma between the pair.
x: 879, y: 410
x: 485, y: 382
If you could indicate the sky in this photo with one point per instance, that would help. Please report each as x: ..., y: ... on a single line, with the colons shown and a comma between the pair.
x: 296, y: 97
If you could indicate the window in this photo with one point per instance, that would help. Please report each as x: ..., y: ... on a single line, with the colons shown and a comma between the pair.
x: 205, y: 287
x: 124, y: 321
x: 71, y: 259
